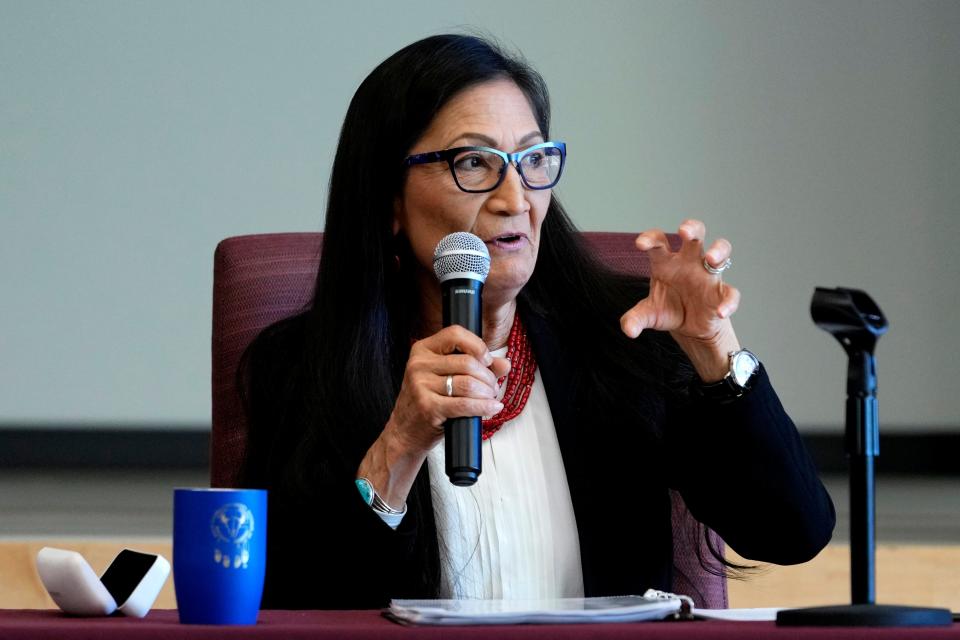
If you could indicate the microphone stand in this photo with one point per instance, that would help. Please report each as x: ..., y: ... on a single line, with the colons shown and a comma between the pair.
x: 855, y: 320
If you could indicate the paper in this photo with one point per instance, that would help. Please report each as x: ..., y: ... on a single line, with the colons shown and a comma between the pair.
x: 556, y: 611
x: 767, y: 614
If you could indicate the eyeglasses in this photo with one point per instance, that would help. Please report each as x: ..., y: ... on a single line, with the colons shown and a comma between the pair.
x: 481, y: 169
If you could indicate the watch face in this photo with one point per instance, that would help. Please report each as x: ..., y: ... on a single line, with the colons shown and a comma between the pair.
x: 743, y: 366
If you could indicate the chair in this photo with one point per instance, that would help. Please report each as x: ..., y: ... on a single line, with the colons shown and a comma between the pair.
x: 260, y: 279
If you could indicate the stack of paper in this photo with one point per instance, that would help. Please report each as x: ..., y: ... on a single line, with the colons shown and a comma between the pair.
x: 558, y: 611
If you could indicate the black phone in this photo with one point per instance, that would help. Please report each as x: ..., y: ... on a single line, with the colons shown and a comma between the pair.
x: 125, y: 572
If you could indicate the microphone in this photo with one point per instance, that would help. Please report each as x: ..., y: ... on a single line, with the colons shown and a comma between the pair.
x: 462, y: 262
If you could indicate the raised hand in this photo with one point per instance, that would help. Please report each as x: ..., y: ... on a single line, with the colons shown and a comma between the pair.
x: 686, y: 299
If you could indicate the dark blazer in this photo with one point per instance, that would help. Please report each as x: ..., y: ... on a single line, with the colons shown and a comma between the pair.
x: 741, y: 468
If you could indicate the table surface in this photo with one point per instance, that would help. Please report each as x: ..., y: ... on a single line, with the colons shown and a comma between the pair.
x: 46, y: 623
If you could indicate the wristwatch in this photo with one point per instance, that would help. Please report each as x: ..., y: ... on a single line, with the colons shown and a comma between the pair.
x: 743, y: 369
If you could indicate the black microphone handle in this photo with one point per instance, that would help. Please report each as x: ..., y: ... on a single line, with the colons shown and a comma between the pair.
x: 462, y: 439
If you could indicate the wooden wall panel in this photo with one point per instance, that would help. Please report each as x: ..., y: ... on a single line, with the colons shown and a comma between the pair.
x: 20, y: 586
x: 906, y: 574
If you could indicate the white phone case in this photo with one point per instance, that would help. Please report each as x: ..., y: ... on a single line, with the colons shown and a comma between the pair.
x: 72, y: 583
x: 141, y: 600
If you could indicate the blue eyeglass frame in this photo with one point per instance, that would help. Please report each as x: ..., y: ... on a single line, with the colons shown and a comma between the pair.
x: 508, y: 158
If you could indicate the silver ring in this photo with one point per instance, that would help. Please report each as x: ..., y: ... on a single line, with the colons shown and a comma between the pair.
x: 717, y: 270
x: 449, y: 386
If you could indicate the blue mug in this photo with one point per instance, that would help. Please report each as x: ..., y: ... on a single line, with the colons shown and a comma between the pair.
x: 219, y: 554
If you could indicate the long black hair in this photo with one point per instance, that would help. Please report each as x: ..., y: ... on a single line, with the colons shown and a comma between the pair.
x: 363, y: 307
x: 364, y: 310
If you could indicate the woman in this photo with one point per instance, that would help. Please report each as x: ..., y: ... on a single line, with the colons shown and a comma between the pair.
x: 618, y: 391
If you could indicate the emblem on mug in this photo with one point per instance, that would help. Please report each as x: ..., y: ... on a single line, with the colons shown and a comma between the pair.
x: 232, y: 527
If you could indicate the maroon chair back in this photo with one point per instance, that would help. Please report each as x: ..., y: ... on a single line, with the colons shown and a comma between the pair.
x: 260, y: 279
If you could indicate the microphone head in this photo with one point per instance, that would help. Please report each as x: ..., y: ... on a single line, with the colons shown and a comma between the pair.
x: 461, y: 255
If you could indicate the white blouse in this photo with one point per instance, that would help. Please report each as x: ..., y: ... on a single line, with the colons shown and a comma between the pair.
x: 513, y: 534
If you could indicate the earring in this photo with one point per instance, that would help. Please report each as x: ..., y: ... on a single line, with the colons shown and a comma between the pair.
x: 397, y: 244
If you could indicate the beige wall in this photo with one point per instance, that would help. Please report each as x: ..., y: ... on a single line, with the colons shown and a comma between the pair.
x: 821, y: 137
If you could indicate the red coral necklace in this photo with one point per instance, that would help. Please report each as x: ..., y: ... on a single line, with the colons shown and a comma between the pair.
x: 523, y: 366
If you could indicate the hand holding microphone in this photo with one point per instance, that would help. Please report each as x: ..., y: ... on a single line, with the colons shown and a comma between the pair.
x: 461, y: 262
x: 448, y: 375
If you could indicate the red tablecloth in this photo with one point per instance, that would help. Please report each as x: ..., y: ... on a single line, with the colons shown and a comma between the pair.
x: 346, y: 625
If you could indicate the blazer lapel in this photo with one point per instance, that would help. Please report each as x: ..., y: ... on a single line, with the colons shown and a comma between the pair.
x: 558, y: 375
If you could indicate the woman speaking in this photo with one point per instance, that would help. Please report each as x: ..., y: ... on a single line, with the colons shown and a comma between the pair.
x: 598, y: 392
